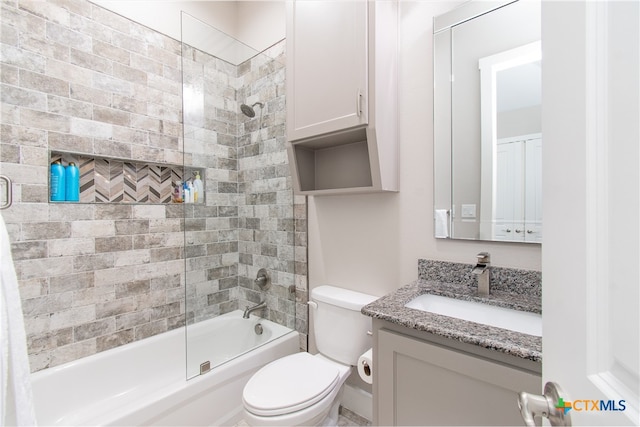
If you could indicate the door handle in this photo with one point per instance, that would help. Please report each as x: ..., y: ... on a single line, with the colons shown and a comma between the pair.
x: 7, y: 200
x: 545, y: 405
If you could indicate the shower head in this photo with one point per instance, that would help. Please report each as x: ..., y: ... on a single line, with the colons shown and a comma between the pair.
x: 248, y: 110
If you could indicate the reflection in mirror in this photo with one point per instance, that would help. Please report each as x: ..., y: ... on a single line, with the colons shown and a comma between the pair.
x: 488, y: 136
x: 511, y: 145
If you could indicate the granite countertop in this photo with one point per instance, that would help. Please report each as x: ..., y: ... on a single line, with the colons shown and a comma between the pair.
x: 391, y: 308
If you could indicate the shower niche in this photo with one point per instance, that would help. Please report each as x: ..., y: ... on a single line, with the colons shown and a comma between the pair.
x: 342, y: 97
x: 116, y: 180
x: 113, y: 180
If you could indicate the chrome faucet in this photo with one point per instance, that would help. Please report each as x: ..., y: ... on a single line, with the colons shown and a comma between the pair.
x: 248, y: 310
x: 481, y: 270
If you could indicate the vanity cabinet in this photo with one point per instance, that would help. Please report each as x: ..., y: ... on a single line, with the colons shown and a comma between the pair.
x: 341, y: 96
x: 423, y: 379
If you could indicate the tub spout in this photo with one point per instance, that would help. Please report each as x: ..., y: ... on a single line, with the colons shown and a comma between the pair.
x: 248, y: 310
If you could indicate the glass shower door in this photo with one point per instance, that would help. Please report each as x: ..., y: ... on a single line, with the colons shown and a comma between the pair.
x: 233, y: 117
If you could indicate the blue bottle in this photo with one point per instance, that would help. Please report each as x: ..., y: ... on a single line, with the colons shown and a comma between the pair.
x: 57, y: 183
x: 72, y: 183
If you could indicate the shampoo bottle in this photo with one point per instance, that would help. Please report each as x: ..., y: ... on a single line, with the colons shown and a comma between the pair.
x: 192, y: 193
x: 198, y: 195
x: 185, y: 193
x: 56, y: 182
x: 72, y: 183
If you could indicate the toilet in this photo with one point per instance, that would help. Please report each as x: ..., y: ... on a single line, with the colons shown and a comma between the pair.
x: 305, y: 389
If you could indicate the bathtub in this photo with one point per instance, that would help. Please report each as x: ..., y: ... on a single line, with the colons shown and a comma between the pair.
x: 143, y: 383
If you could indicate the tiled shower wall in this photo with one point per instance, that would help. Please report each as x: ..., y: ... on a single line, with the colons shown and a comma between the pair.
x: 272, y: 221
x: 78, y: 78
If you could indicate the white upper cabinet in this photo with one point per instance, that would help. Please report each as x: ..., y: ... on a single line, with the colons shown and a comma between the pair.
x: 342, y: 96
x: 327, y: 67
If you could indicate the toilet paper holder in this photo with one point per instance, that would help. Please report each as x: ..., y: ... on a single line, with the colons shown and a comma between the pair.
x: 366, y: 368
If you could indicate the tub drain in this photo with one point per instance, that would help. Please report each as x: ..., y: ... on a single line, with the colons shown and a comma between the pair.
x: 258, y: 329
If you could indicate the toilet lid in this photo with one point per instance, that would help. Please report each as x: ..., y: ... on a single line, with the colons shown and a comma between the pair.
x: 289, y: 384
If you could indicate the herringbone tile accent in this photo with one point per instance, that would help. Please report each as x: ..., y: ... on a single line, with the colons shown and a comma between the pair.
x: 116, y: 183
x: 101, y: 178
x: 142, y: 183
x: 130, y: 182
x: 110, y: 180
x: 87, y: 181
x: 165, y: 185
x: 154, y: 184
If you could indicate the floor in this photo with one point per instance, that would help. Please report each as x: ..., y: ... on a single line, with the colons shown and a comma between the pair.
x: 347, y: 418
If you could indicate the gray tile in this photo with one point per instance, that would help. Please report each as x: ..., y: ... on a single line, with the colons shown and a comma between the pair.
x: 113, y: 340
x: 350, y: 418
x: 150, y: 329
x: 67, y: 37
x: 94, y: 329
x: 23, y: 97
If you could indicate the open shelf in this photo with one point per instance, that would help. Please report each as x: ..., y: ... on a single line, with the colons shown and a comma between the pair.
x: 337, y: 164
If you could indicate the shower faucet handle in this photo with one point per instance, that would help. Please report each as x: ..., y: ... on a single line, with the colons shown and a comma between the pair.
x: 262, y: 279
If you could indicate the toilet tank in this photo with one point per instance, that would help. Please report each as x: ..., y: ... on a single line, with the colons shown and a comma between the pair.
x: 340, y: 330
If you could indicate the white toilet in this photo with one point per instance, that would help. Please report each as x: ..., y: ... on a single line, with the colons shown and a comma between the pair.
x: 304, y: 389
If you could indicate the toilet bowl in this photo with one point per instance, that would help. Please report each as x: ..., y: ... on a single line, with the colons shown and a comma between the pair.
x: 305, y: 389
x: 300, y: 389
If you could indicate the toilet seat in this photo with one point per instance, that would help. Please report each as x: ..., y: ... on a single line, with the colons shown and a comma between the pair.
x: 290, y: 384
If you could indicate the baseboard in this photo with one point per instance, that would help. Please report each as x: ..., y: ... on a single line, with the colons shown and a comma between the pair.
x: 358, y: 401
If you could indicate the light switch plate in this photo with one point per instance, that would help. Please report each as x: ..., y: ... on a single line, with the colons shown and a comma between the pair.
x: 468, y: 211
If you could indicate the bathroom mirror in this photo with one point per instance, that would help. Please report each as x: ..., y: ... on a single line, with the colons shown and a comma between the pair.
x: 487, y: 122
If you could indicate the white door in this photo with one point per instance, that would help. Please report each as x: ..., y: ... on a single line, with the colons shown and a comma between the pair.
x: 591, y: 187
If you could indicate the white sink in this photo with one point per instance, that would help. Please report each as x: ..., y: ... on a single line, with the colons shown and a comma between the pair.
x: 514, y: 320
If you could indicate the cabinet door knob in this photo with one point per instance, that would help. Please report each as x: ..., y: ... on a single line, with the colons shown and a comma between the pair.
x: 529, y: 231
x: 518, y: 230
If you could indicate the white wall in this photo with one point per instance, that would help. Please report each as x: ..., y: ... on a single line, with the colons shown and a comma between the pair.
x: 261, y: 23
x: 522, y: 121
x: 371, y: 243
